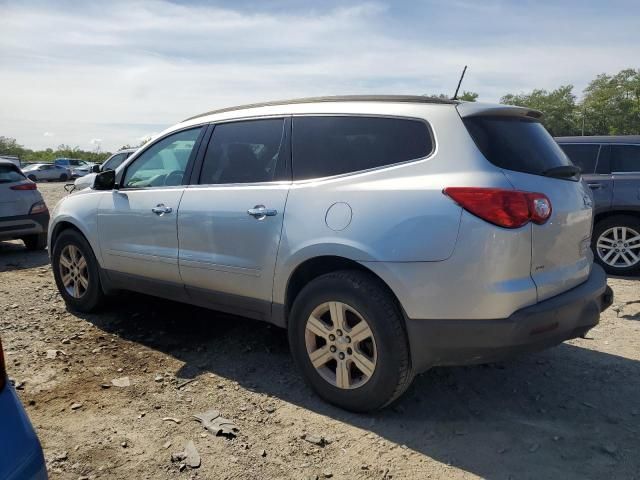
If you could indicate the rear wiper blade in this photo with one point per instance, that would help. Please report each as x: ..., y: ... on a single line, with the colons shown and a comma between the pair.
x: 563, y: 171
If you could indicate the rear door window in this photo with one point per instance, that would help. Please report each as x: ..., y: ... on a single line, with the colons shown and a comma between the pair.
x: 332, y: 145
x: 9, y: 174
x: 583, y: 155
x: 516, y: 143
x: 251, y: 151
x: 625, y: 158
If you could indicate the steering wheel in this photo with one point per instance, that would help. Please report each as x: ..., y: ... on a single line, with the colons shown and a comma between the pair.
x: 174, y: 178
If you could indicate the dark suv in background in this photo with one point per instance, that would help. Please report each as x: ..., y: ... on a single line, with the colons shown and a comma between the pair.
x: 611, y: 167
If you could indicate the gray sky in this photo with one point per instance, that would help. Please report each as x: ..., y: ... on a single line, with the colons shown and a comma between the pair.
x: 110, y: 73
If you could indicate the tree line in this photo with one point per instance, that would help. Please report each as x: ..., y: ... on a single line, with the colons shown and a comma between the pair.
x: 9, y: 146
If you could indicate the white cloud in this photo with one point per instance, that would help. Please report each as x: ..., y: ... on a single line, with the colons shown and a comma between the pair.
x: 95, y: 141
x: 120, y: 70
x: 48, y: 134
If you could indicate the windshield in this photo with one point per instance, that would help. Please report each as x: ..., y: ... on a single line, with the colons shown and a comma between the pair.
x: 516, y: 143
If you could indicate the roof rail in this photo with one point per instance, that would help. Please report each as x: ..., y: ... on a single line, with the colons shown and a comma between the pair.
x: 338, y: 98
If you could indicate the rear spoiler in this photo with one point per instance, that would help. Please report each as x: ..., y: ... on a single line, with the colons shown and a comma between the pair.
x: 474, y: 109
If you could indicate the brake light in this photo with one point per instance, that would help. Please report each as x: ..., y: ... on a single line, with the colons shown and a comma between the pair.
x: 505, y: 208
x: 3, y: 371
x: 27, y: 185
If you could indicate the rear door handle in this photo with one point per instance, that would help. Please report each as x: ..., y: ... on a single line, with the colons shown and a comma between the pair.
x: 595, y: 186
x: 160, y: 209
x: 259, y: 212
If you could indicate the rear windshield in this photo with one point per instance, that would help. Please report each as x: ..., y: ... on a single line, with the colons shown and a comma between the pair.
x: 9, y: 174
x: 516, y: 143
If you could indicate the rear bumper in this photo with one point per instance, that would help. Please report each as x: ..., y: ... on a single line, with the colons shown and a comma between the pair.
x: 461, y: 342
x: 21, y: 225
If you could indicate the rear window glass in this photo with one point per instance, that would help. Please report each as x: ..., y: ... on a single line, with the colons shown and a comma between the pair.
x: 584, y: 156
x: 625, y: 158
x: 515, y: 143
x: 9, y: 174
x: 328, y: 145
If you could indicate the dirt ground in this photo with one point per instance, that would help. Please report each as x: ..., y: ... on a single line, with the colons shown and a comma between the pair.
x: 569, y: 412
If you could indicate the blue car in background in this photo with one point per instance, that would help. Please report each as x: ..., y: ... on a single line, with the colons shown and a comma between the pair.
x: 21, y: 455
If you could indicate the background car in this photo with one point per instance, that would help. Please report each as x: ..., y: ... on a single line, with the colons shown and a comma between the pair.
x: 78, y: 168
x: 611, y: 167
x: 23, y: 213
x: 47, y: 171
x: 115, y: 160
x: 21, y: 455
x: 111, y: 163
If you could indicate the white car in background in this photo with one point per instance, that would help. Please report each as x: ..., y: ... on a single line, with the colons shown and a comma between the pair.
x: 111, y: 163
x: 37, y: 172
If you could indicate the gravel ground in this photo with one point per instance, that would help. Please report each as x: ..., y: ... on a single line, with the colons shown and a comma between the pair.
x: 569, y: 412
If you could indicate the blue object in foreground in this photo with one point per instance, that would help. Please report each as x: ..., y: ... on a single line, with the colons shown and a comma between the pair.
x: 21, y: 455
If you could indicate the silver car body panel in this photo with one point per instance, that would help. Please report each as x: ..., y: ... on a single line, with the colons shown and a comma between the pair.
x: 440, y: 261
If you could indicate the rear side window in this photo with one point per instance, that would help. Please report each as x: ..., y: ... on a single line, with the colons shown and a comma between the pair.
x: 516, y: 143
x: 325, y: 146
x: 9, y: 174
x: 625, y: 158
x: 252, y: 151
x: 584, y: 156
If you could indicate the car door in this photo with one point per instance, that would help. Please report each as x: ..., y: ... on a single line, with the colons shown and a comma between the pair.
x: 230, y: 222
x: 593, y: 159
x: 625, y: 165
x: 137, y: 222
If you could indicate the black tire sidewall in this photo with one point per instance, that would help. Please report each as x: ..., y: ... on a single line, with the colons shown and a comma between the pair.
x: 35, y: 242
x: 380, y: 313
x: 603, y: 225
x: 93, y: 296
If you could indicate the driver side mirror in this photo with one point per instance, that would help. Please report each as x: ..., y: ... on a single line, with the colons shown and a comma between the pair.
x: 95, y: 168
x: 104, y: 180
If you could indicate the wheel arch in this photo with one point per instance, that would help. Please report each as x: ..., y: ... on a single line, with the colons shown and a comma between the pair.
x: 599, y: 217
x: 314, y: 267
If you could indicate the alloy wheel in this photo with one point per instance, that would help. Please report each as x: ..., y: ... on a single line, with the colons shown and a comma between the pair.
x: 340, y: 345
x: 619, y: 247
x: 73, y: 271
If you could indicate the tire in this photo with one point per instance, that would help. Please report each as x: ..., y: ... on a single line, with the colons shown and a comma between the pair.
x: 32, y: 178
x: 603, y: 235
x: 64, y: 177
x: 35, y: 242
x: 369, y: 299
x: 90, y: 297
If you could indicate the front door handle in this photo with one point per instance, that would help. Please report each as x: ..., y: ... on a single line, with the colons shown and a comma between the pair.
x: 259, y: 212
x: 595, y: 186
x: 160, y: 209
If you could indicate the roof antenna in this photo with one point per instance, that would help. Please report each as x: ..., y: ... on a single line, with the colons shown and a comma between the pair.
x: 455, y: 95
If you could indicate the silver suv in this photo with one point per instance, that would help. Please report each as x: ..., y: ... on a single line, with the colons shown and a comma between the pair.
x: 387, y: 234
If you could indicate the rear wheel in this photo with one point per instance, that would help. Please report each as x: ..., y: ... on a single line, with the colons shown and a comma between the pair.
x: 76, y: 272
x: 616, y: 244
x: 347, y: 337
x: 35, y: 242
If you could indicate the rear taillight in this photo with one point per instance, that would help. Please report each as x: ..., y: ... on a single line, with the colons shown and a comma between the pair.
x: 505, y: 208
x: 38, y: 207
x: 27, y: 185
x: 3, y: 371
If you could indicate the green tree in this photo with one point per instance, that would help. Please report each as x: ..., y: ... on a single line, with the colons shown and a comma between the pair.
x: 468, y: 96
x: 559, y: 108
x: 611, y: 104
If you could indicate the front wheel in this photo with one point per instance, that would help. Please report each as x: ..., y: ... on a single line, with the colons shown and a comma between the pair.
x: 64, y: 177
x: 76, y: 272
x: 616, y: 244
x: 347, y: 337
x: 32, y: 178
